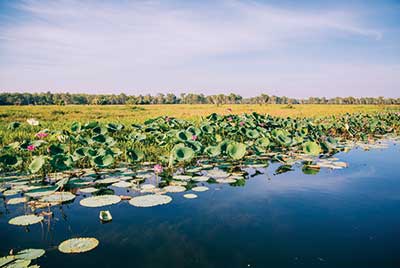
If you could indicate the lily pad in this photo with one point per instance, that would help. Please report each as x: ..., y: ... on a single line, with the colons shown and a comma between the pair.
x: 108, y: 181
x: 150, y: 200
x: 58, y: 197
x: 78, y: 245
x: 16, y: 200
x: 182, y: 177
x: 200, y: 189
x: 174, y: 189
x: 100, y: 201
x: 25, y: 220
x: 190, y: 196
x: 122, y: 184
x: 88, y: 190
x: 19, y: 264
x: 201, y: 178
x: 30, y: 254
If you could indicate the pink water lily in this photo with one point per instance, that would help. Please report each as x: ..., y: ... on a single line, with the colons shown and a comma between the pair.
x: 194, y: 137
x: 41, y: 135
x: 241, y: 123
x: 230, y: 119
x: 158, y: 169
x: 262, y: 125
x: 167, y: 119
x: 31, y: 147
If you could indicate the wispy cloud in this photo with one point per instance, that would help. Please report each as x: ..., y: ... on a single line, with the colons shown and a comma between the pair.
x: 128, y: 40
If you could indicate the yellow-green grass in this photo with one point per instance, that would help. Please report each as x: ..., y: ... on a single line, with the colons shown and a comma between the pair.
x: 58, y: 116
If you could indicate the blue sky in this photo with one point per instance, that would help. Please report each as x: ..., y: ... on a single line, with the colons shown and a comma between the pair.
x: 293, y: 48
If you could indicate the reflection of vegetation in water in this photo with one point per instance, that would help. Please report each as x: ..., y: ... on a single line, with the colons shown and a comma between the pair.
x: 167, y: 156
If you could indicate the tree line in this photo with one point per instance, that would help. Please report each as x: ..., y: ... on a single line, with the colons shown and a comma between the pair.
x: 49, y: 98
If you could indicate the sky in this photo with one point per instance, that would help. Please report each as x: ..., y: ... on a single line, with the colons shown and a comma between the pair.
x: 292, y: 48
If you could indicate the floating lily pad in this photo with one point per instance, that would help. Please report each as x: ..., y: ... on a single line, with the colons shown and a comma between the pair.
x: 182, y: 177
x: 30, y: 254
x: 217, y: 174
x: 190, y: 196
x: 174, y: 189
x: 58, y: 197
x: 122, y: 184
x: 147, y: 186
x: 11, y: 192
x: 6, y: 259
x: 108, y: 181
x: 16, y: 200
x: 150, y: 200
x: 18, y: 264
x: 25, y: 220
x: 100, y: 201
x: 200, y: 189
x: 42, y: 191
x: 88, y: 190
x: 201, y: 178
x: 226, y: 180
x: 78, y: 245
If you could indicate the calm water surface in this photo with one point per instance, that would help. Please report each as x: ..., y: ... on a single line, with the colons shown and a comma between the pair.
x: 337, y: 218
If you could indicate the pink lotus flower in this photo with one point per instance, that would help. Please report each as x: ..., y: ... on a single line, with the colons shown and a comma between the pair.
x: 262, y: 125
x: 230, y: 119
x: 167, y: 119
x: 158, y: 169
x: 41, y: 135
x: 194, y: 137
x: 241, y: 124
x: 31, y: 148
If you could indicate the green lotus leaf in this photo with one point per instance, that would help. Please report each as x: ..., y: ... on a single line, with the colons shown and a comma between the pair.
x: 184, y: 135
x: 80, y: 153
x: 91, y: 125
x: 252, y: 134
x: 195, y: 145
x: 284, y: 140
x: 111, y: 127
x: 135, y: 155
x: 103, y: 160
x: 14, y: 125
x: 236, y: 150
x: 311, y: 148
x: 223, y: 145
x: 37, y: 164
x: 9, y: 160
x: 194, y: 130
x: 263, y: 142
x: 207, y: 129
x: 56, y: 149
x: 76, y: 127
x: 213, y: 151
x: 100, y: 138
x: 61, y: 162
x: 182, y: 153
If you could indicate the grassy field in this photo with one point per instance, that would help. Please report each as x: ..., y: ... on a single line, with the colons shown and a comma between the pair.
x: 58, y: 116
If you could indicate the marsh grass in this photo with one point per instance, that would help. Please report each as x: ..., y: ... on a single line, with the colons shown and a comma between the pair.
x: 61, y: 117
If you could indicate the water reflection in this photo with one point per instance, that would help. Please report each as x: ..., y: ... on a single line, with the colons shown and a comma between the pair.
x: 336, y: 218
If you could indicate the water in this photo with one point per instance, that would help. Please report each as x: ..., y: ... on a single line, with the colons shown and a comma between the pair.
x: 337, y: 218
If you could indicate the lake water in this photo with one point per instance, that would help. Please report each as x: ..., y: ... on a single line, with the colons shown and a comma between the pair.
x: 336, y: 218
